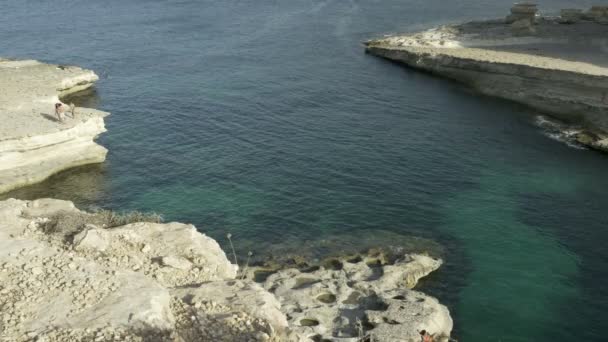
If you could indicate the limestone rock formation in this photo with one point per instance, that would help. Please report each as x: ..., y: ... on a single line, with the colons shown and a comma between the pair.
x: 361, y: 299
x: 570, y: 16
x: 522, y: 12
x: 224, y: 300
x: 561, y: 70
x: 522, y: 19
x: 64, y: 276
x: 103, y: 284
x: 599, y: 14
x: 33, y: 143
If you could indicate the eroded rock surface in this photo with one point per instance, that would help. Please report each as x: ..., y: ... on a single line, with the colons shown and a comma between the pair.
x: 361, y: 299
x: 112, y: 284
x: 33, y: 143
x: 66, y: 276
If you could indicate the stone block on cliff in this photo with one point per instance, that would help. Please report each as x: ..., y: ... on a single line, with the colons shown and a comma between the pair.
x: 524, y: 8
x: 521, y: 11
x: 570, y: 16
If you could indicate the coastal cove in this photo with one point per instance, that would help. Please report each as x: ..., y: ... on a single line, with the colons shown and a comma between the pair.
x: 266, y: 120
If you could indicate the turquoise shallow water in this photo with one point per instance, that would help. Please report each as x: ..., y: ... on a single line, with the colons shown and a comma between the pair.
x: 266, y: 119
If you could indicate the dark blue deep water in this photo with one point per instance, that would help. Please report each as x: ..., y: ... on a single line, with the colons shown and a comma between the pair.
x: 265, y: 119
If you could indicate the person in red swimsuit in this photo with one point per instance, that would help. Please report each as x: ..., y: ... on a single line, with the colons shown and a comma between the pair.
x: 425, y: 336
x: 59, y: 111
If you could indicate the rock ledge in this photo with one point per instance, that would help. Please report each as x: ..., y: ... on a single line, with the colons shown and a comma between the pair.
x: 33, y: 143
x: 555, y: 65
x: 63, y: 278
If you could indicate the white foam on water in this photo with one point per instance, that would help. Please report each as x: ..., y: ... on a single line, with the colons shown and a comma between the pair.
x: 559, y: 131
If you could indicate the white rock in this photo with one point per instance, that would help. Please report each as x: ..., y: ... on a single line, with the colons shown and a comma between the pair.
x: 146, y: 249
x: 33, y: 145
x: 48, y: 207
x: 315, y: 301
x: 176, y: 262
x: 240, y: 296
x: 398, y: 321
x: 138, y: 303
x: 547, y: 71
x: 91, y: 239
x: 83, y: 291
x: 179, y: 240
x: 37, y: 270
x: 406, y: 273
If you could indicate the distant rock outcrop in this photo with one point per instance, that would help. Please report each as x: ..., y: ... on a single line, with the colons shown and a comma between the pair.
x: 34, y: 144
x: 560, y: 70
x: 599, y: 14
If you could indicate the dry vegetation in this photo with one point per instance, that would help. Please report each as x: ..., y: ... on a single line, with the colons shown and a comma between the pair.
x: 70, y: 223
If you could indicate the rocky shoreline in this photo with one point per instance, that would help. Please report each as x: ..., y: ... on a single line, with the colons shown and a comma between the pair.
x: 556, y: 65
x: 33, y: 143
x: 69, y: 275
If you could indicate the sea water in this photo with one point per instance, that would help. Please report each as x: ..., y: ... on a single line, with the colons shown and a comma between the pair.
x: 266, y: 119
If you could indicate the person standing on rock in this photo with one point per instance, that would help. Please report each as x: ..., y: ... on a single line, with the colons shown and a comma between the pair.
x: 425, y: 336
x: 59, y: 111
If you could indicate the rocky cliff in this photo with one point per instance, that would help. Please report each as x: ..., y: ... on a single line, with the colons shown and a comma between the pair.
x: 33, y: 143
x: 68, y: 275
x: 560, y: 69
